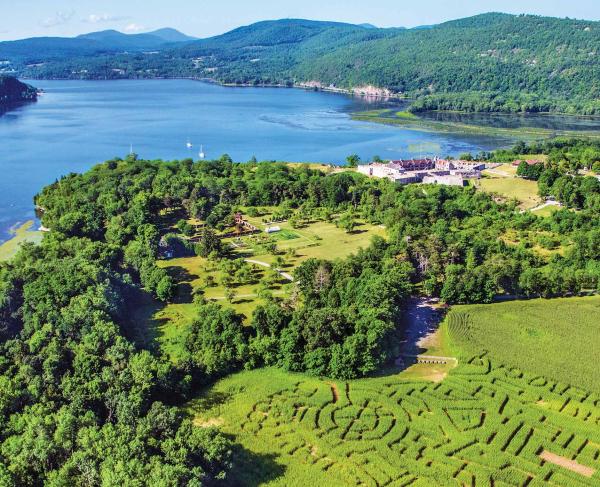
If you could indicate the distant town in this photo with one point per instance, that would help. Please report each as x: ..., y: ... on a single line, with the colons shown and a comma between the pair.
x: 428, y: 171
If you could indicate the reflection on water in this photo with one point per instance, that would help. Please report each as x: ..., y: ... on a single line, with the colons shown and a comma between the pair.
x: 76, y: 124
x: 515, y: 121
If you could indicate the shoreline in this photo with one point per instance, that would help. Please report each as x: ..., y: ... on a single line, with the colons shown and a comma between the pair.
x: 414, y: 122
x: 20, y: 233
x: 307, y: 86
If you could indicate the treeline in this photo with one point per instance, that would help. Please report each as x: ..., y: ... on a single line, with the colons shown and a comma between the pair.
x: 443, y: 227
x: 505, y: 102
x: 490, y: 62
x: 340, y: 322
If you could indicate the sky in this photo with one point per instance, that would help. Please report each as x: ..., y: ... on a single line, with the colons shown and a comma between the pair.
x: 204, y: 18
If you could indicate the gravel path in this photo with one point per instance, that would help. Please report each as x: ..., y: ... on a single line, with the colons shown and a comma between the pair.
x: 283, y: 274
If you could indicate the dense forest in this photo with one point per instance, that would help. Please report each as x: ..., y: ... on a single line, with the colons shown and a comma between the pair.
x: 83, y: 403
x: 12, y: 91
x: 491, y: 62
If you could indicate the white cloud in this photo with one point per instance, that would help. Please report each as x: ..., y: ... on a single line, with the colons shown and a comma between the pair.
x: 99, y: 18
x: 133, y: 27
x: 59, y: 18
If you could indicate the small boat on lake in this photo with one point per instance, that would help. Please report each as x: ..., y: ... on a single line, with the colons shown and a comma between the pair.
x: 201, y: 154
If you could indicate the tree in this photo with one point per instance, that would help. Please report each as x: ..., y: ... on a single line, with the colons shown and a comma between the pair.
x: 216, y: 342
x: 165, y: 288
x: 208, y: 243
x: 230, y: 294
x: 347, y: 222
x: 353, y: 160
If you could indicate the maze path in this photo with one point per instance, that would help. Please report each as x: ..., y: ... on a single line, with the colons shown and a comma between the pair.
x: 483, y: 425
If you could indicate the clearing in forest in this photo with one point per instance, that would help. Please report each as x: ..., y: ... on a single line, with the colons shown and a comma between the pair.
x: 239, y: 279
x: 504, y: 182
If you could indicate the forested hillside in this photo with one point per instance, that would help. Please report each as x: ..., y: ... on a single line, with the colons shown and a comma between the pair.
x: 13, y: 91
x: 491, y: 62
x: 83, y: 402
x: 35, y: 52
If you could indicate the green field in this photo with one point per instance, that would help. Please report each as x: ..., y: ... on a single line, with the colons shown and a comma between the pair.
x: 504, y: 182
x: 545, y: 211
x: 486, y: 423
x: 558, y: 338
x: 318, y: 239
x: 21, y: 234
x: 167, y: 324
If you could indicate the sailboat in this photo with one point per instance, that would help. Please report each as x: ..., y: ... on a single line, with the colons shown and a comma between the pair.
x: 201, y: 153
x: 188, y: 144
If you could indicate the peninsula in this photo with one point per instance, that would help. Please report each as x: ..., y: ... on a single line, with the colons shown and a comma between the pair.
x: 13, y: 91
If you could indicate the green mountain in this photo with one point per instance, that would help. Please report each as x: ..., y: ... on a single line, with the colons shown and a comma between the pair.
x: 156, y: 39
x: 168, y: 34
x: 12, y: 91
x: 37, y: 50
x: 490, y: 62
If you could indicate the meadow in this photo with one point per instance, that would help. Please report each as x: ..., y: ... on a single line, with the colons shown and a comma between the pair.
x: 504, y: 182
x: 512, y: 413
x: 316, y: 239
x: 167, y: 324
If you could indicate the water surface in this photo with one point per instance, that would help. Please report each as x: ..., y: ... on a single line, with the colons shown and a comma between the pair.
x: 76, y: 124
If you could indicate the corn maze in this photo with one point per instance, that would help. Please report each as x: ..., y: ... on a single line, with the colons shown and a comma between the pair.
x: 484, y: 425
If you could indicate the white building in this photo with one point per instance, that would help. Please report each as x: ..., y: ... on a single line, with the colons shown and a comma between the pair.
x: 427, y: 171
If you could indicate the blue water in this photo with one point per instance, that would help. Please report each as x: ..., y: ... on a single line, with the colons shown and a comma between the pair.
x: 76, y: 124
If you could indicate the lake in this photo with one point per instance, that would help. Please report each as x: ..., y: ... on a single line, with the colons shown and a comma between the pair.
x: 76, y: 124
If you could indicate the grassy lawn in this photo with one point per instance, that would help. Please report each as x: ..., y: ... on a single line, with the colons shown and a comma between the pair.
x: 546, y: 211
x: 320, y: 240
x: 555, y: 338
x: 504, y: 182
x: 166, y: 325
x: 21, y: 234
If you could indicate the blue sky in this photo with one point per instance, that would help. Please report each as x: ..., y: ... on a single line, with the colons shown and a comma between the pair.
x: 203, y: 18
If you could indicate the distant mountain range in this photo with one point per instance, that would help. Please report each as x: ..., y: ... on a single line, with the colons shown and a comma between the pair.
x: 490, y: 62
x: 43, y: 49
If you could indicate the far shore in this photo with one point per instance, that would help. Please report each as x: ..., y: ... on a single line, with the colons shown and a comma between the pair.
x: 353, y: 92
